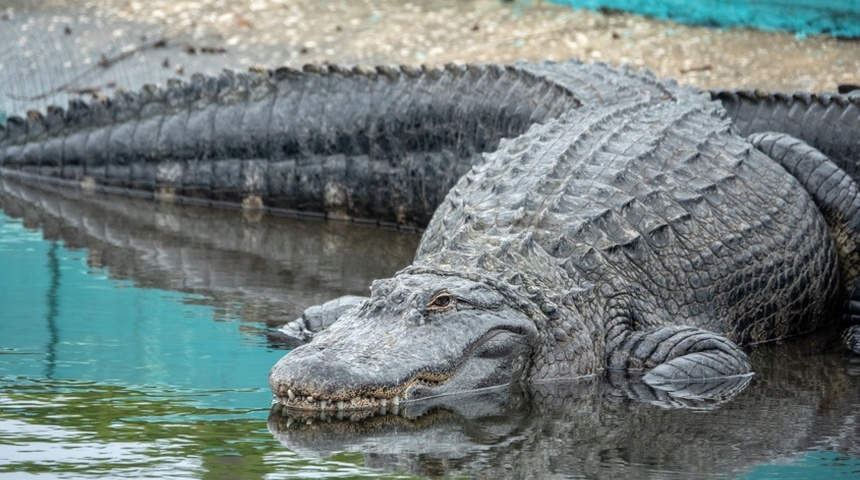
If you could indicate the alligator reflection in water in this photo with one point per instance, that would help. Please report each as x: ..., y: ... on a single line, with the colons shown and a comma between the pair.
x: 270, y: 268
x: 794, y: 407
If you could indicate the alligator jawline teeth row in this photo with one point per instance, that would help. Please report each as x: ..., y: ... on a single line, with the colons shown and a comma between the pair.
x: 308, y: 415
x: 360, y: 403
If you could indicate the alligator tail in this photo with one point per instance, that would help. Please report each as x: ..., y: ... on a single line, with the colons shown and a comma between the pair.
x: 827, y: 121
x: 383, y: 144
x: 819, y: 145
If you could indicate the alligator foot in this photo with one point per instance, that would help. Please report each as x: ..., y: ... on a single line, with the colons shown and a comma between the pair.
x: 700, y: 375
x: 851, y: 337
x: 319, y: 317
x: 851, y: 317
x: 684, y: 361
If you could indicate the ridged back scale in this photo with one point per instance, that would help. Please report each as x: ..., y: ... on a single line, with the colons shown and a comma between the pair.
x: 659, y: 204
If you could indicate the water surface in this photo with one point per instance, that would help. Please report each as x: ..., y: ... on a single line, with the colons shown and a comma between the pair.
x: 136, y: 337
x: 133, y: 336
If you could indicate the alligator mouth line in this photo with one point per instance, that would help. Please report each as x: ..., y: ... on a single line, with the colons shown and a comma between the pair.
x: 284, y: 420
x: 382, y: 401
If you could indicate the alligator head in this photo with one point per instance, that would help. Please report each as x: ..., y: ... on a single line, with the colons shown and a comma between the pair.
x: 417, y: 336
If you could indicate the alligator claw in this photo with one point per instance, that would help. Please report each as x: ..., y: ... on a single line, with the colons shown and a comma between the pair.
x: 851, y: 337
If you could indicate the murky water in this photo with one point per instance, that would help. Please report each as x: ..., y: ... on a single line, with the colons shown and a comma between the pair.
x: 135, y: 341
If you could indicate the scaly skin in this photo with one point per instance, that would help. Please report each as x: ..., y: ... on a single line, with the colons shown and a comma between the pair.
x: 383, y: 144
x: 826, y: 121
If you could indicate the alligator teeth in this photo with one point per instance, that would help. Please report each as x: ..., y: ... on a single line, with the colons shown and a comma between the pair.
x: 328, y: 409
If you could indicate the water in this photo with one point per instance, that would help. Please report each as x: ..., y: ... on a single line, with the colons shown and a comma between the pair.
x: 136, y: 337
x: 133, y: 342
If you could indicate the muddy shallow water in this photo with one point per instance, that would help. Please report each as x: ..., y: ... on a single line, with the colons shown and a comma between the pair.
x: 135, y: 337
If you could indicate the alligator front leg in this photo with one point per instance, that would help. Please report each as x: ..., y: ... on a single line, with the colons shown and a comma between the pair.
x: 686, y: 361
x: 319, y: 317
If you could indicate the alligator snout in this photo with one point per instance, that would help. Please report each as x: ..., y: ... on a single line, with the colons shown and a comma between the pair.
x: 422, y: 336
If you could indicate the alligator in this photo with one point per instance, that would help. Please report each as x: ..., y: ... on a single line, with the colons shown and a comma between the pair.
x: 579, y: 219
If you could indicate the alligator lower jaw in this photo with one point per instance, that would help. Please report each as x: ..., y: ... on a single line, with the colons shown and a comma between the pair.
x: 355, y: 404
x: 380, y: 401
x: 360, y: 410
x: 283, y: 420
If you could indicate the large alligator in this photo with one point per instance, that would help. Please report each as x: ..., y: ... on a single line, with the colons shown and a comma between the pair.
x: 628, y: 225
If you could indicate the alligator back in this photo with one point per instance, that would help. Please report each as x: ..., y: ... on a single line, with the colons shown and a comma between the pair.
x: 661, y: 204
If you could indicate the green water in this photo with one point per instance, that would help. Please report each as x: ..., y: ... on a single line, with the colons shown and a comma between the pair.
x: 135, y: 342
x: 104, y: 379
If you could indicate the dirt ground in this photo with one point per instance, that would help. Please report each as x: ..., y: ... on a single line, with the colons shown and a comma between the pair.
x: 55, y: 50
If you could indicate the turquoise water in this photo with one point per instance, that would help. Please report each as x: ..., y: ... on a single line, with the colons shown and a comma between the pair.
x: 135, y: 342
x: 804, y: 17
x: 102, y: 378
x: 80, y: 325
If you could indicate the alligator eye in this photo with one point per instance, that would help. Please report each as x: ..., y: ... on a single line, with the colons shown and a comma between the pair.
x: 441, y: 301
